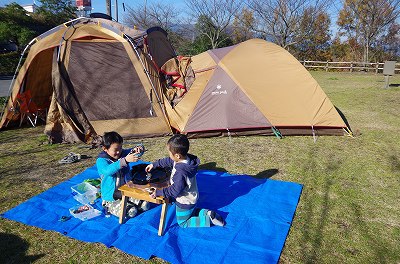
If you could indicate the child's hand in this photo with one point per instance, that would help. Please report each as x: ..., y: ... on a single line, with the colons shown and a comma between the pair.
x: 149, y: 168
x: 152, y: 192
x: 131, y: 157
x: 138, y: 150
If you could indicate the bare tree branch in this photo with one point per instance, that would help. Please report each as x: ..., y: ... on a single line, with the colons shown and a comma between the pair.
x: 155, y: 14
x: 279, y: 20
x: 220, y: 14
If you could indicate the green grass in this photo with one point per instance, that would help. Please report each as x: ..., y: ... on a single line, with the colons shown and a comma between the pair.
x: 349, y: 210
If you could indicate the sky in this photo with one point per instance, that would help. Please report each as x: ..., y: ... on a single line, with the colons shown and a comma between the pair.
x: 99, y: 6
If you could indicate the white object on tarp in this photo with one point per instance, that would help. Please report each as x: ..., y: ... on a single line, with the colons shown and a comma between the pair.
x: 84, y: 212
x: 84, y: 193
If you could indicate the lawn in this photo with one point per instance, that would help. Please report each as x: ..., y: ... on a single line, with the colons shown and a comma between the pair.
x: 349, y: 210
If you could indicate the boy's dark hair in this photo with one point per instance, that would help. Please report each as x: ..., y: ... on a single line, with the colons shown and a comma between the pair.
x: 111, y: 137
x: 178, y: 144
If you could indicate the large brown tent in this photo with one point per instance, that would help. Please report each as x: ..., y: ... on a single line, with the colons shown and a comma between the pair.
x: 254, y: 87
x: 93, y: 76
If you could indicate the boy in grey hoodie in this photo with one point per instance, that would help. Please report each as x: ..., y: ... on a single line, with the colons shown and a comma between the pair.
x: 183, y: 185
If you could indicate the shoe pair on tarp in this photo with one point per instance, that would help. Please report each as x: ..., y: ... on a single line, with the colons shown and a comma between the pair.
x: 136, y: 206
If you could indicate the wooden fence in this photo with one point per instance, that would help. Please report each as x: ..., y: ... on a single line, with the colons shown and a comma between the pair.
x: 376, y: 67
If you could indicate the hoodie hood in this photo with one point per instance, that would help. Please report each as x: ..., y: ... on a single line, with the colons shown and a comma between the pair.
x: 104, y: 155
x: 191, y: 166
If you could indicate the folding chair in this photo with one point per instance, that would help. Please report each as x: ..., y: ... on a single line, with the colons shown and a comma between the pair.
x: 28, y: 109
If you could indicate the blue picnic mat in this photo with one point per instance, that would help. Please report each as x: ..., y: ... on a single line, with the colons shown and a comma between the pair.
x: 258, y: 212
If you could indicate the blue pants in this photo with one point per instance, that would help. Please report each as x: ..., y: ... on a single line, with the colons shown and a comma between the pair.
x: 192, y: 217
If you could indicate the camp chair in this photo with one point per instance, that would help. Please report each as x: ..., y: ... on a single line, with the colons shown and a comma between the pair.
x: 28, y: 109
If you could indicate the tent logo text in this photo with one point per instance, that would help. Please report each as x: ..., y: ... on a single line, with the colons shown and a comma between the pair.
x: 219, y: 86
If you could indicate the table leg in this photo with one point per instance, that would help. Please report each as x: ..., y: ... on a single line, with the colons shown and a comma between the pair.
x: 123, y: 209
x: 164, y: 211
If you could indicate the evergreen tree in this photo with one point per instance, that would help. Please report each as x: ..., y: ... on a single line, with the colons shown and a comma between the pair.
x: 55, y: 12
x: 16, y: 25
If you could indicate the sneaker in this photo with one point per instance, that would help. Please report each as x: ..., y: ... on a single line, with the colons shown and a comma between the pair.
x: 134, y: 201
x: 144, y: 206
x: 70, y: 158
x: 132, y: 212
x: 215, y: 218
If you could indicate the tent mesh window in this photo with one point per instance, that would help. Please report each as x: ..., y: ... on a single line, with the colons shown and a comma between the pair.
x: 106, y: 82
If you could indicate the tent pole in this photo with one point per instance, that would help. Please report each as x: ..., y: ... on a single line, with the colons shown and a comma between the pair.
x: 15, y: 74
x: 148, y: 76
x: 63, y: 39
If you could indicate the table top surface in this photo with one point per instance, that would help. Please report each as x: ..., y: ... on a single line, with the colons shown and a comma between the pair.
x: 138, y: 191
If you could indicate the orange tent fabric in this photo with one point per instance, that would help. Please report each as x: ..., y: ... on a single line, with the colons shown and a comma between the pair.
x: 250, y: 88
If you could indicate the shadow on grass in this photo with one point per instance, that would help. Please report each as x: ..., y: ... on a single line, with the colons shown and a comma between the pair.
x: 13, y: 250
x: 266, y: 174
x: 314, y: 235
x: 382, y: 252
x: 394, y: 163
x: 309, y: 235
x: 211, y: 166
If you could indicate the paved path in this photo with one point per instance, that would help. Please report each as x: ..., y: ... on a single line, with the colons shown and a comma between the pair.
x: 4, y: 85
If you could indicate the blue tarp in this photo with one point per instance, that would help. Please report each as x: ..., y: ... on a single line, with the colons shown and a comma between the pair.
x: 258, y: 212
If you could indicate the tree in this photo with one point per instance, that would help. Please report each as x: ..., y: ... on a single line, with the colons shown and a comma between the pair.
x: 16, y: 26
x: 213, y: 18
x: 312, y: 41
x: 155, y: 14
x: 391, y: 43
x: 242, y: 26
x: 55, y: 12
x: 339, y: 50
x: 279, y: 20
x: 367, y: 22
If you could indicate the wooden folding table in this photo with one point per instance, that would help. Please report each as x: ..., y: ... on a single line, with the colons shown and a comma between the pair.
x: 139, y: 192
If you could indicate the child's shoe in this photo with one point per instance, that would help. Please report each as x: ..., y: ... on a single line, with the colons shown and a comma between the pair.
x: 144, y: 206
x: 215, y: 218
x: 132, y: 212
x: 134, y: 201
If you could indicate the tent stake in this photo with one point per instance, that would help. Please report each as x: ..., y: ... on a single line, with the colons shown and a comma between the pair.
x: 313, y: 133
x: 229, y: 135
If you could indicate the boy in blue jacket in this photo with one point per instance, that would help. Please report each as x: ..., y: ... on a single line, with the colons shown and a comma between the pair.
x: 183, y: 185
x: 112, y: 165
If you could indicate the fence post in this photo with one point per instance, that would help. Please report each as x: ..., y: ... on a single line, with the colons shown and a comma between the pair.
x: 351, y: 66
x: 327, y: 66
x: 376, y: 67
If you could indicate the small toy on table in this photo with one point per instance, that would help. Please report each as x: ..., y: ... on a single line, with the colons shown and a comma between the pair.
x: 141, y: 150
